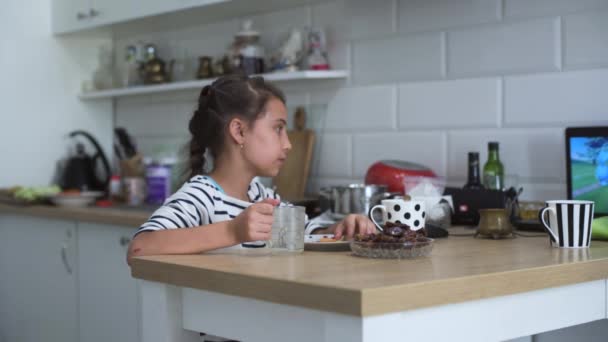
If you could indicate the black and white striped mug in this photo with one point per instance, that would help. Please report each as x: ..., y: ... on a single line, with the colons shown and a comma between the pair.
x: 569, y: 223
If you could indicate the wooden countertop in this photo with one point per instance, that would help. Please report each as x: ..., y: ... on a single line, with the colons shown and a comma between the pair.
x: 459, y: 269
x: 121, y: 216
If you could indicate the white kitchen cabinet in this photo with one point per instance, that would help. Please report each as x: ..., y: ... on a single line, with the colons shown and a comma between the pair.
x: 78, y: 15
x: 38, y: 276
x: 70, y: 15
x: 154, y: 7
x: 111, y: 11
x: 74, y: 15
x: 109, y: 298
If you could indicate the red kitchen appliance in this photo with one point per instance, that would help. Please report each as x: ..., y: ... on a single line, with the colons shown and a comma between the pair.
x: 392, y: 172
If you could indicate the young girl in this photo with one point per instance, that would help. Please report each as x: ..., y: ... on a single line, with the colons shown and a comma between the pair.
x: 241, y: 123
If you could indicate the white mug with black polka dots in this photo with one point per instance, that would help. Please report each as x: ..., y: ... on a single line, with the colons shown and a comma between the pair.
x: 399, y: 211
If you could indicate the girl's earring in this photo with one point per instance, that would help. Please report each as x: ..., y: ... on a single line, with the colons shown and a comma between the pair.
x: 241, y: 146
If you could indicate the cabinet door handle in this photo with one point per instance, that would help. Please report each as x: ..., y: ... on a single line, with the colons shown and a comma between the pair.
x: 93, y: 13
x: 125, y: 241
x: 81, y: 16
x: 64, y: 258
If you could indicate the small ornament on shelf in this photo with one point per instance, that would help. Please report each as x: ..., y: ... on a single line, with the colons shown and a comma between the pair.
x: 102, y: 76
x: 290, y: 54
x: 317, y: 55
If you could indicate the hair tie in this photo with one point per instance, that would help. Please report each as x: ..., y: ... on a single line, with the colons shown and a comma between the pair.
x: 206, y: 91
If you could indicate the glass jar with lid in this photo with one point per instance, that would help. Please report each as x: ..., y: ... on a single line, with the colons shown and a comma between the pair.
x: 250, y: 53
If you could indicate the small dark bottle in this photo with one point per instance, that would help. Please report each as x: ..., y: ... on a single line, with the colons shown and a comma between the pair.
x: 474, y: 181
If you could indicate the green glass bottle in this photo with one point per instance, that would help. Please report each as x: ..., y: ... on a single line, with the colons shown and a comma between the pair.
x: 493, y: 170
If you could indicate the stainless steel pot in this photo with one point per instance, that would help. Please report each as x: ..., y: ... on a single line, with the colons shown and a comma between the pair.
x: 352, y: 199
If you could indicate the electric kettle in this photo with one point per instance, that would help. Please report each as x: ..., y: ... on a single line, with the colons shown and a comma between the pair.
x: 81, y: 170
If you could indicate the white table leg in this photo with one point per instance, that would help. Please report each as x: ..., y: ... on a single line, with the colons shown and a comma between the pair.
x: 161, y: 315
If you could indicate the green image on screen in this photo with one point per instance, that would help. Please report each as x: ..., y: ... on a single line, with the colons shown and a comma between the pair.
x: 589, y: 170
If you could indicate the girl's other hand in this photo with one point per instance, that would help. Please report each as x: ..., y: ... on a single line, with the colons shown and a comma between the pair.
x: 354, y: 224
x: 255, y: 222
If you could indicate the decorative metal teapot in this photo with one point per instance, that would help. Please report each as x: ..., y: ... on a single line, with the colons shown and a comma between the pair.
x: 155, y: 70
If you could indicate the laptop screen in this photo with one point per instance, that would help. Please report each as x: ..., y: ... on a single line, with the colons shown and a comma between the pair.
x: 587, y: 166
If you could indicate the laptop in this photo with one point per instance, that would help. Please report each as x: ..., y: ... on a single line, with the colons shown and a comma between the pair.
x: 587, y: 166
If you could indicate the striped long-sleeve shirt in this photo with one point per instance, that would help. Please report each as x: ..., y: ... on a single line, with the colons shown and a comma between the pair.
x: 201, y: 201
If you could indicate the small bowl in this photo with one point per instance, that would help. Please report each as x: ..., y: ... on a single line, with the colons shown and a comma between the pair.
x: 392, y: 250
x: 494, y: 224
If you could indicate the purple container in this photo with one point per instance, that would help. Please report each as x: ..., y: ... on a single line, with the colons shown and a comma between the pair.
x: 158, y: 181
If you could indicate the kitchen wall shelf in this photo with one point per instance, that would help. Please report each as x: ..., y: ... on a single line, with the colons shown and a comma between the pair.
x: 197, y: 84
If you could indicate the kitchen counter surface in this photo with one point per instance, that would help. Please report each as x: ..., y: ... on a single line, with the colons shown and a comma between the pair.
x: 460, y: 269
x: 120, y: 216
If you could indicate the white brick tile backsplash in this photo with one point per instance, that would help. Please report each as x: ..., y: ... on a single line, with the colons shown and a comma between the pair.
x: 154, y: 119
x: 274, y: 26
x: 339, y: 54
x: 454, y: 103
x: 426, y: 148
x: 369, y: 19
x: 543, y: 192
x: 423, y: 15
x: 557, y: 98
x: 281, y: 19
x: 331, y: 17
x: 333, y: 156
x: 511, y: 47
x: 532, y: 154
x: 359, y: 109
x: 410, y: 57
x: 295, y: 98
x: 209, y: 31
x: 159, y: 147
x: 430, y: 81
x: 355, y: 19
x: 533, y: 8
x: 316, y: 183
x: 586, y: 39
x: 216, y: 36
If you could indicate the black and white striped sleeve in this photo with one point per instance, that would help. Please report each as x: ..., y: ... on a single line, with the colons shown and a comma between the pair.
x: 189, y: 207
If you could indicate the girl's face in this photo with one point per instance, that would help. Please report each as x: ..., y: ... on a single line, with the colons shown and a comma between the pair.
x: 266, y: 142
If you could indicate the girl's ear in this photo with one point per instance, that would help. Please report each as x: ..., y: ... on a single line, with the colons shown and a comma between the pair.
x: 236, y: 130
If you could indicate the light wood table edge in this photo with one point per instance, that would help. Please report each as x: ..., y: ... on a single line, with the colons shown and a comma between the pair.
x: 383, y: 300
x: 372, y: 301
x: 339, y: 300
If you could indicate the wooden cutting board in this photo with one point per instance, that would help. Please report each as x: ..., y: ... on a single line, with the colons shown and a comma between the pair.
x: 291, y: 181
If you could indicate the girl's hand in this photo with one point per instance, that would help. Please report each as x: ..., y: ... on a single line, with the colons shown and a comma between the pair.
x: 255, y: 222
x: 354, y: 224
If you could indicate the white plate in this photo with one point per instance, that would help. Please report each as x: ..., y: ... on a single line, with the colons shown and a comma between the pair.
x: 312, y: 243
x: 82, y: 199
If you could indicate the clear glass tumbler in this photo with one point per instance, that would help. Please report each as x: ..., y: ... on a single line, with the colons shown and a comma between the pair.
x: 288, y: 229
